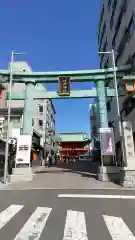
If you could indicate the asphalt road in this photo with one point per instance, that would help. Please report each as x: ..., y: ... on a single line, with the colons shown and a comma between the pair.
x: 41, y: 214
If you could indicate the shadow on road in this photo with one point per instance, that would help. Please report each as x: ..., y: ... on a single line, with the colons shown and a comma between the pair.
x: 83, y: 168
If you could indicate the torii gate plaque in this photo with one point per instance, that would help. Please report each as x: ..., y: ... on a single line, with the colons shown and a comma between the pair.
x: 64, y: 86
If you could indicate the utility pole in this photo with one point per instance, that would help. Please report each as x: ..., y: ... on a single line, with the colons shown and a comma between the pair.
x: 118, y: 107
x: 9, y: 113
x: 44, y: 129
x: 8, y: 120
x: 117, y: 101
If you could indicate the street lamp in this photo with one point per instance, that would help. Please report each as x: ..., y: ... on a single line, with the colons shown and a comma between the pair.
x: 9, y: 112
x: 117, y: 97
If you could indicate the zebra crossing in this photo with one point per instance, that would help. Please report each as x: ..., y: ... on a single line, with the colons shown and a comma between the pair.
x: 75, y: 224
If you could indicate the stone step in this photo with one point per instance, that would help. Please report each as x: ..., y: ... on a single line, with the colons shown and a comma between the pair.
x: 21, y: 174
x: 22, y: 170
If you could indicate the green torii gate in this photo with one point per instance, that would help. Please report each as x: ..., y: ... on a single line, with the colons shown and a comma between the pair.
x: 99, y: 77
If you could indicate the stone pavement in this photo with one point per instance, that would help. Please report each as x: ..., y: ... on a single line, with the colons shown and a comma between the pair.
x: 63, y: 177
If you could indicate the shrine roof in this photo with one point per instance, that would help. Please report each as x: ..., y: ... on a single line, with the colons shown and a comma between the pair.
x: 74, y: 137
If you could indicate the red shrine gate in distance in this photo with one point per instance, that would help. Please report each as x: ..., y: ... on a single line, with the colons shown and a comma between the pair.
x: 73, y: 146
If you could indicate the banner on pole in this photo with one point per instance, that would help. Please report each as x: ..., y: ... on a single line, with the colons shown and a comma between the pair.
x: 128, y: 140
x: 23, y: 152
x: 107, y: 142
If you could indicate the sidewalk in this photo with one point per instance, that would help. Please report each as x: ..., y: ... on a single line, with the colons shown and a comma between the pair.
x: 61, y: 178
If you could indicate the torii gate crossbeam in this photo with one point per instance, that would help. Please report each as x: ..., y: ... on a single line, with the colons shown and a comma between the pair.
x: 40, y: 94
x: 98, y: 76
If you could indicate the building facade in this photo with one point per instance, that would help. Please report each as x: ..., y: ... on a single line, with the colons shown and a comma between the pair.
x: 116, y: 31
x: 44, y: 115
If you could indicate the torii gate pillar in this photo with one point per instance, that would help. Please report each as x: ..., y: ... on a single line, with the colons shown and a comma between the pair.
x: 28, y: 113
x: 25, y: 173
x: 103, y: 170
x: 101, y: 104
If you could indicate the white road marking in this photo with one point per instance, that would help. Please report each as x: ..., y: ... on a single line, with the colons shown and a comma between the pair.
x: 95, y: 196
x: 35, y: 224
x: 8, y: 214
x: 46, y: 188
x: 75, y: 226
x: 117, y: 228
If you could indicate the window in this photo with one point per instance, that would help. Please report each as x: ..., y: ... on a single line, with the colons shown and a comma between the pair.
x: 117, y: 59
x: 120, y: 17
x: 109, y: 4
x: 33, y: 122
x: 108, y: 106
x: 129, y: 61
x: 102, y: 57
x: 105, y: 46
x: 40, y: 110
x: 102, y: 14
x: 40, y: 107
x: 99, y: 47
x: 131, y: 26
x: 47, y: 125
x: 1, y: 123
x: 101, y: 19
x: 106, y: 63
x: 47, y: 118
x: 48, y: 139
x: 52, y: 143
x: 103, y: 32
x: 125, y: 5
x: 127, y: 36
x: 47, y: 111
x: 52, y: 116
x: 123, y: 43
x: 133, y: 61
x: 114, y: 41
x: 104, y: 50
x: 40, y: 123
x: 113, y: 13
x: 52, y: 123
x: 101, y: 64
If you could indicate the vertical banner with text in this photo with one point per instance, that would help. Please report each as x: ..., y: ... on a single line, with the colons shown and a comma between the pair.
x: 23, y: 152
x: 107, y: 142
x: 128, y: 142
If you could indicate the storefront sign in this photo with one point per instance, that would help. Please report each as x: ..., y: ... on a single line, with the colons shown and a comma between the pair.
x: 128, y: 140
x: 23, y: 149
x: 64, y: 86
x: 107, y: 143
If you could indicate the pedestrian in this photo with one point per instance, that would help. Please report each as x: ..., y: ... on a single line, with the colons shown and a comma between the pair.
x: 48, y: 159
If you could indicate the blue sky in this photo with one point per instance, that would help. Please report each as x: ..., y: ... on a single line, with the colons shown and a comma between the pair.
x: 56, y: 35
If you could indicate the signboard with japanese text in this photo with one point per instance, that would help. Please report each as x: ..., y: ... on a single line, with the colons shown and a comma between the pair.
x: 107, y: 142
x: 128, y: 140
x: 64, y: 86
x: 23, y: 152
